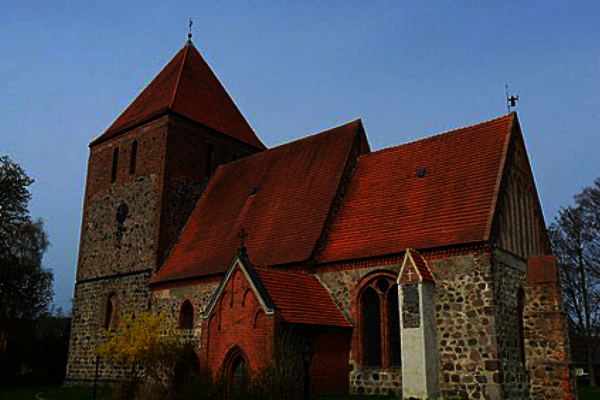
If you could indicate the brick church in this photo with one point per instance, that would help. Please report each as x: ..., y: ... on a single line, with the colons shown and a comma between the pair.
x: 422, y: 269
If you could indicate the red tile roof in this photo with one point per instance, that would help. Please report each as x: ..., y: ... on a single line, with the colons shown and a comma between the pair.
x: 421, y: 265
x: 388, y: 208
x: 301, y: 298
x: 186, y: 86
x: 296, y: 185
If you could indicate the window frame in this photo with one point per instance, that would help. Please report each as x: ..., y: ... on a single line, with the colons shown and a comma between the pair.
x: 385, y: 329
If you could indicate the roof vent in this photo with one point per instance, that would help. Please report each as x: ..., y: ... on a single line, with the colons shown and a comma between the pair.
x: 254, y: 190
x: 421, y: 173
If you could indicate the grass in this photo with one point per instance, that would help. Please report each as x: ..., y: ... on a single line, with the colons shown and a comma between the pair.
x: 588, y: 392
x: 53, y: 393
x: 86, y: 393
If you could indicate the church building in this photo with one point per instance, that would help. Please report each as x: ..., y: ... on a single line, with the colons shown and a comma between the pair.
x: 422, y: 270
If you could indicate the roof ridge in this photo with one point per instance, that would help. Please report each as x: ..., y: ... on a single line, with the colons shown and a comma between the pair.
x: 179, y: 75
x: 438, y: 135
x: 292, y: 143
x: 210, y: 98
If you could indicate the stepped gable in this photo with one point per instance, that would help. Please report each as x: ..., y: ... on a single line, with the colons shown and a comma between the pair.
x: 301, y: 298
x: 188, y: 87
x: 390, y: 208
x: 294, y: 186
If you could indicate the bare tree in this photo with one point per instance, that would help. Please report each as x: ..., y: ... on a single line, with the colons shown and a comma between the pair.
x: 575, y: 237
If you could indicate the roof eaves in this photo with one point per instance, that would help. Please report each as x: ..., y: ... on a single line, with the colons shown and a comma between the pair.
x: 101, y: 139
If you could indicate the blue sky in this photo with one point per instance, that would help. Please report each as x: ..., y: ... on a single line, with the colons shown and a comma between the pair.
x: 408, y: 69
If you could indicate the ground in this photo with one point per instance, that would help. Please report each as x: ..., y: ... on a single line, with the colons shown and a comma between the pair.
x: 79, y: 393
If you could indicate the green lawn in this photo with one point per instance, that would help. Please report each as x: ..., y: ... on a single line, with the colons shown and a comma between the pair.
x: 589, y: 393
x: 52, y: 393
x: 85, y: 393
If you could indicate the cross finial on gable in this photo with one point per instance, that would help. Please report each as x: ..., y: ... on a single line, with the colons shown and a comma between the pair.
x: 242, y: 236
x: 410, y: 272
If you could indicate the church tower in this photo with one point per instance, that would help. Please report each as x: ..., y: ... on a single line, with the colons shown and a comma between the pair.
x: 145, y: 175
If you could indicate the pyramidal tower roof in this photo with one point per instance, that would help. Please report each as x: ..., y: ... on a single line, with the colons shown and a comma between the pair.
x: 188, y: 87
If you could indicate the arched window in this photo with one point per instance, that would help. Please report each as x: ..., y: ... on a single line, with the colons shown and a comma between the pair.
x: 186, y: 315
x: 394, y: 324
x: 111, y: 317
x: 237, y: 374
x: 133, y: 159
x: 236, y: 368
x: 371, y: 327
x: 380, y: 323
x: 520, y: 324
x: 115, y: 165
x: 209, y: 157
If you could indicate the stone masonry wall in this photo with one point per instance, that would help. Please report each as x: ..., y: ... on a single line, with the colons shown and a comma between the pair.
x: 89, y: 311
x: 170, y: 301
x: 509, y: 276
x: 109, y: 247
x: 466, y: 323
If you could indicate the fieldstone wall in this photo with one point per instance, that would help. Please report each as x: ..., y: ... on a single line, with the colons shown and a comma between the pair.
x: 509, y: 276
x: 466, y: 322
x: 88, y: 327
x: 170, y: 301
x: 109, y: 247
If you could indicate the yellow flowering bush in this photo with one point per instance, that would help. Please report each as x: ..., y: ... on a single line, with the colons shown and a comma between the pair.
x: 145, y: 345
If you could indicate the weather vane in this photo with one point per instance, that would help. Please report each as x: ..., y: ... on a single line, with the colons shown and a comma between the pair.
x: 190, y: 31
x: 511, y: 101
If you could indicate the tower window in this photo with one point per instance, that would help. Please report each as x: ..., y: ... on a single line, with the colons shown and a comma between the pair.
x: 111, y: 318
x: 209, y: 156
x: 132, y: 162
x: 115, y: 165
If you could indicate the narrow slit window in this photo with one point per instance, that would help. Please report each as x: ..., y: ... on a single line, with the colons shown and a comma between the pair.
x: 134, y: 148
x: 115, y: 165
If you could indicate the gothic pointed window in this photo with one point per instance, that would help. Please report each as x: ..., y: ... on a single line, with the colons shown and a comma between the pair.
x: 133, y: 160
x: 236, y: 373
x: 394, y: 328
x: 111, y: 317
x: 186, y: 317
x: 371, y: 328
x: 379, y: 317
